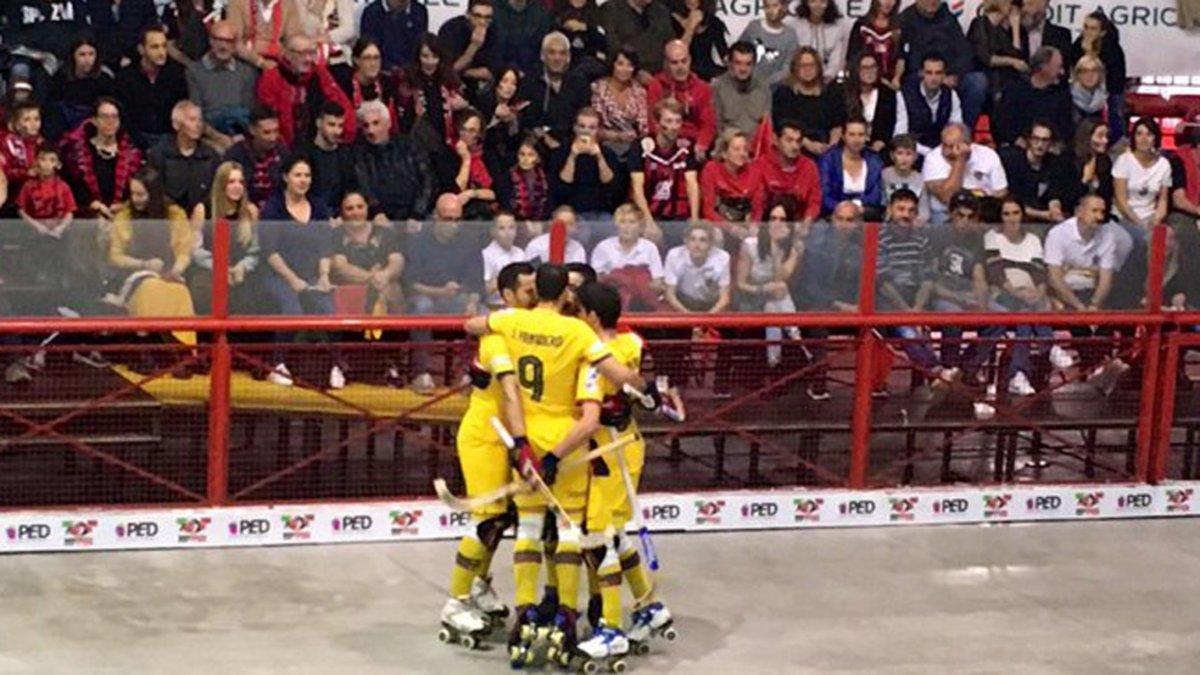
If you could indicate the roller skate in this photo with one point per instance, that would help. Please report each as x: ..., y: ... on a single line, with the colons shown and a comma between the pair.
x: 523, y: 638
x: 653, y: 620
x: 606, y: 648
x: 462, y: 624
x: 484, y: 599
x: 563, y: 643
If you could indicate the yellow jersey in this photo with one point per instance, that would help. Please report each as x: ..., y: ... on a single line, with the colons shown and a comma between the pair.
x: 626, y: 348
x: 553, y: 355
x: 493, y: 357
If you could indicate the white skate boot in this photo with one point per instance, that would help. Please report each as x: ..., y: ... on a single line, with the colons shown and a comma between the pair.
x: 484, y: 599
x: 462, y: 624
x: 607, y: 647
x: 653, y: 620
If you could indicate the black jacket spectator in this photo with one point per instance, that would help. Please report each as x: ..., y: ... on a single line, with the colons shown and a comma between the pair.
x: 333, y: 171
x: 557, y: 108
x: 521, y: 32
x: 1023, y: 103
x: 1053, y: 35
x: 588, y: 45
x: 940, y: 33
x: 119, y: 31
x: 645, y: 29
x: 73, y: 94
x: 395, y: 178
x: 147, y: 104
x: 1111, y: 55
x: 817, y: 115
x: 587, y: 195
x: 187, y: 178
x: 45, y: 25
x: 396, y: 31
x: 455, y: 35
x: 1036, y: 188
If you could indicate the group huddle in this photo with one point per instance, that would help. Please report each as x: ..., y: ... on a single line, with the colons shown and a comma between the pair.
x: 553, y: 379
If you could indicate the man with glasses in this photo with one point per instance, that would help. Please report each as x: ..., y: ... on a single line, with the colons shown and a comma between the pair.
x: 299, y: 88
x: 1038, y: 178
x: 471, y: 44
x: 222, y: 86
x: 957, y: 165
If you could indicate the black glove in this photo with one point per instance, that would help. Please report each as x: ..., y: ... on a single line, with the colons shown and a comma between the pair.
x: 616, y: 411
x: 600, y: 467
x: 653, y: 394
x: 480, y: 378
x: 549, y: 468
x: 522, y: 457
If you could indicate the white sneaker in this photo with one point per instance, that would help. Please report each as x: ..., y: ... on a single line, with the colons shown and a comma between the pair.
x: 1060, y: 358
x: 606, y: 642
x: 423, y: 384
x: 337, y: 378
x: 280, y: 375
x: 1019, y: 385
x: 462, y: 617
x: 484, y: 598
x: 947, y: 376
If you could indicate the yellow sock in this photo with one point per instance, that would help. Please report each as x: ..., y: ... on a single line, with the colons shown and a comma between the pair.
x: 609, y: 577
x: 471, y: 553
x: 485, y: 562
x: 527, y: 563
x: 593, y: 577
x: 567, y: 560
x: 635, y: 573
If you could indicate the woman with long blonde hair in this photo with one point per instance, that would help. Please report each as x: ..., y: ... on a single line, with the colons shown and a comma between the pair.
x: 229, y: 200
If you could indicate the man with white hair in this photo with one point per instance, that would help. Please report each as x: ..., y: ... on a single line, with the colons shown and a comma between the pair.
x: 958, y: 164
x: 557, y: 92
x: 392, y: 173
x: 186, y: 164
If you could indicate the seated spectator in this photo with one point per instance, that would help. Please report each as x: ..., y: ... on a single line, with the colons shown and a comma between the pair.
x: 873, y: 102
x: 184, y: 162
x: 630, y: 262
x: 1185, y: 173
x: 45, y: 202
x: 1142, y: 181
x: 297, y: 245
x: 1100, y: 39
x: 585, y: 175
x: 521, y: 25
x: 765, y: 269
x: 149, y: 88
x: 1042, y: 96
x: 785, y: 171
x: 507, y: 117
x: 298, y: 88
x: 961, y: 165
x: 499, y: 253
x: 331, y: 157
x: 1039, y: 30
x: 43, y: 33
x: 850, y: 172
x: 333, y: 24
x: 223, y: 87
x: 1093, y: 167
x: 926, y: 106
x: 902, y: 174
x: 928, y: 27
x: 445, y: 276
x: 229, y: 200
x: 662, y: 177
x: 430, y: 93
x: 469, y: 45
x: 805, y: 98
x: 466, y: 170
x: 643, y: 25
x: 19, y: 145
x: 188, y: 23
x: 960, y: 285
x: 76, y: 87
x: 527, y: 191
x: 820, y: 26
x: 1039, y: 179
x: 580, y: 21
x: 396, y: 26
x: 1089, y: 93
x: 365, y: 254
x: 100, y: 158
x: 392, y: 173
x: 1016, y: 272
x: 620, y: 101
x: 559, y: 92
x: 696, y: 273
x: 878, y: 33
x: 151, y: 247
x: 729, y: 185
x: 996, y: 38
x: 262, y: 26
x: 537, y: 251
x: 366, y: 81
x: 829, y: 281
x: 704, y: 33
x: 904, y: 277
x: 1181, y: 274
x: 741, y: 96
x: 261, y: 156
x: 773, y: 40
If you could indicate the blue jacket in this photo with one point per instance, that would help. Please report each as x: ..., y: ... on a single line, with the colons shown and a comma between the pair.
x: 832, y: 191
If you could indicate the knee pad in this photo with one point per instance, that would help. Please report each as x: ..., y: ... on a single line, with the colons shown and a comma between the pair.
x: 624, y: 545
x: 594, y: 556
x: 550, y: 531
x: 529, y: 527
x: 492, y: 530
x: 568, y: 537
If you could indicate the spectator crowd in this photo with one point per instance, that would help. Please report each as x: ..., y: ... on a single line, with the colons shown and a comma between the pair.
x: 351, y: 148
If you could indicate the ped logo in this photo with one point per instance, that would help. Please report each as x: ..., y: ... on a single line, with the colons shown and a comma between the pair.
x: 903, y: 508
x: 808, y: 510
x: 1135, y: 501
x: 296, y: 528
x: 28, y: 532
x: 352, y: 523
x: 708, y: 512
x: 1088, y: 503
x: 454, y: 519
x: 1179, y: 501
x: 662, y: 513
x: 404, y: 522
x: 996, y: 506
x: 193, y: 530
x: 760, y: 510
x: 78, y: 532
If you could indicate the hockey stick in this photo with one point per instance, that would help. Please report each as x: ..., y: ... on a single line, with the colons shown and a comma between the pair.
x: 672, y: 406
x: 639, y: 523
x: 537, y: 481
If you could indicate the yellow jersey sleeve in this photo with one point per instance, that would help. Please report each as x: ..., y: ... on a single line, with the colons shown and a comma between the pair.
x: 494, y: 356
x: 590, y: 345
x: 589, y: 387
x: 502, y: 322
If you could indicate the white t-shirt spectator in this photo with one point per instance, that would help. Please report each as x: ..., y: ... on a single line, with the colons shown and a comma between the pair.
x: 701, y: 283
x: 984, y: 173
x: 538, y: 250
x: 1026, y: 251
x: 494, y: 260
x: 1081, y: 260
x: 1143, y: 184
x: 609, y: 255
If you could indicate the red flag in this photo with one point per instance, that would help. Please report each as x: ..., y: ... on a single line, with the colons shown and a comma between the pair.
x: 763, y: 136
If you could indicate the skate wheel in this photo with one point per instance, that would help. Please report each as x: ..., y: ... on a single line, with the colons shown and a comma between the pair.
x: 468, y: 641
x: 590, y: 667
x: 618, y: 666
x: 552, y: 654
x: 670, y: 634
x: 641, y: 649
x: 444, y: 635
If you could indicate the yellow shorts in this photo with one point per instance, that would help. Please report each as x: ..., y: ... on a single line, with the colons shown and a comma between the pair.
x: 571, y: 486
x: 484, y: 462
x: 608, y: 502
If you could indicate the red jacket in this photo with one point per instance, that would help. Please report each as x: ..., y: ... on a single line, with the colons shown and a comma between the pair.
x: 287, y: 93
x: 717, y: 184
x: 799, y: 179
x: 17, y: 155
x: 695, y: 96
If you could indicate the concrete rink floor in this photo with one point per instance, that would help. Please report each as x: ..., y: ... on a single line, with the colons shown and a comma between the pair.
x: 1118, y: 596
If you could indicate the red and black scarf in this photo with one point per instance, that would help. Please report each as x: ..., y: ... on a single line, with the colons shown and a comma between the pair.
x: 530, y: 193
